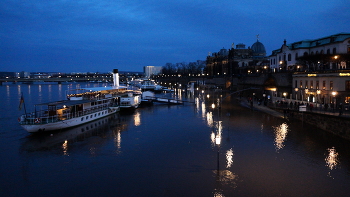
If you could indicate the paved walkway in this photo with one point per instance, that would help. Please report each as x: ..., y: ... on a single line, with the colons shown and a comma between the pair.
x: 262, y: 108
x: 273, y: 112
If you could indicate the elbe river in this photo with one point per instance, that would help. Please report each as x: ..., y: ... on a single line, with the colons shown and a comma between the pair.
x: 168, y: 150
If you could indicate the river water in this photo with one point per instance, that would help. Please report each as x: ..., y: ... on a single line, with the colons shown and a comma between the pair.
x: 181, y: 150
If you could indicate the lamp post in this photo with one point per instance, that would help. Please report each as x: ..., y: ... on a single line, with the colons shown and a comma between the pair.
x: 264, y: 96
x: 334, y: 93
x: 281, y: 62
x: 318, y: 92
x: 296, y: 93
x: 336, y: 61
x: 307, y: 98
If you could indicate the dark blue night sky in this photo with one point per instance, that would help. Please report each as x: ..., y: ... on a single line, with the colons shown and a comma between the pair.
x: 99, y: 35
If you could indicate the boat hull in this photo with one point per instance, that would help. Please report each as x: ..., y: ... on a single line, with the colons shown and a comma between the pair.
x: 64, y: 124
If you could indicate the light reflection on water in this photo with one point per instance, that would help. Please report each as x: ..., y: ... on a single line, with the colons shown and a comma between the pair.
x: 332, y: 160
x: 234, y: 157
x: 229, y: 158
x: 210, y: 122
x: 137, y: 119
x: 117, y: 139
x: 65, y: 147
x: 203, y: 111
x: 224, y: 177
x: 281, y: 132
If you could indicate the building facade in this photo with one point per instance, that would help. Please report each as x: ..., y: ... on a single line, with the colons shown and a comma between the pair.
x: 152, y: 70
x: 320, y: 67
x: 239, y: 60
x: 327, y: 53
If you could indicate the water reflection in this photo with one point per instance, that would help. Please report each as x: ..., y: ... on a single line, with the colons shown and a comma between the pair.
x: 8, y: 91
x: 65, y: 148
x: 137, y: 119
x: 216, y: 134
x: 332, y: 159
x: 281, y: 132
x: 19, y: 89
x: 229, y: 158
x: 226, y: 177
x: 63, y: 140
x: 210, y: 119
x: 203, y: 110
x: 117, y: 139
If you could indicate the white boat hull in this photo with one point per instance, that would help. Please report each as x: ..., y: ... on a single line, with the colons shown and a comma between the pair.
x: 64, y: 124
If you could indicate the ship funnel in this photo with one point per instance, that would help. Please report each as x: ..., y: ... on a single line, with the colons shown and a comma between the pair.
x: 115, y: 77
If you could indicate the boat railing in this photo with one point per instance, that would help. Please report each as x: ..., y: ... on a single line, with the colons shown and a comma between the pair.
x: 43, y: 117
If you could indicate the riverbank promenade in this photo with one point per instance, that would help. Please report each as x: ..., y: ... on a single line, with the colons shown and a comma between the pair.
x: 279, y: 107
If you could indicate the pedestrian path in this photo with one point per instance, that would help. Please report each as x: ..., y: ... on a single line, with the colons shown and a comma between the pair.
x: 262, y: 108
x: 273, y: 112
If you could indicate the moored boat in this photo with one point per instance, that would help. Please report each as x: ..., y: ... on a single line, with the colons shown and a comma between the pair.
x: 86, y: 105
x: 146, y: 85
x: 67, y: 113
x: 130, y: 99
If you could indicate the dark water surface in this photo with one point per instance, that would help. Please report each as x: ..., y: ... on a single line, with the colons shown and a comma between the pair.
x: 169, y: 151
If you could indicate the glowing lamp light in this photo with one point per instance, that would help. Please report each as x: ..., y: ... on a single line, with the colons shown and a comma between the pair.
x: 218, y: 140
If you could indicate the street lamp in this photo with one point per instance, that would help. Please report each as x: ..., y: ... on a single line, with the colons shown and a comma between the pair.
x: 318, y: 92
x: 334, y: 93
x: 307, y: 98
x: 264, y: 96
x: 336, y: 62
x: 296, y: 93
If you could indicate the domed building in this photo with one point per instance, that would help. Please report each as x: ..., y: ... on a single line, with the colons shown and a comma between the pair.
x: 258, y: 49
x: 238, y: 60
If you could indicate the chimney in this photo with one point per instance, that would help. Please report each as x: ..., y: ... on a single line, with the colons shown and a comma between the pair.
x: 115, y: 77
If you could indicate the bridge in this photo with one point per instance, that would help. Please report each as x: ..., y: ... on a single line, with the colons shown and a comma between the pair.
x: 59, y: 80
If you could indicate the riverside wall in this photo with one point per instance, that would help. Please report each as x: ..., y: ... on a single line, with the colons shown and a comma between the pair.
x: 337, y: 125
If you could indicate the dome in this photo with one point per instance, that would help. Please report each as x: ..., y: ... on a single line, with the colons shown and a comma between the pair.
x: 223, y: 52
x: 258, y: 49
